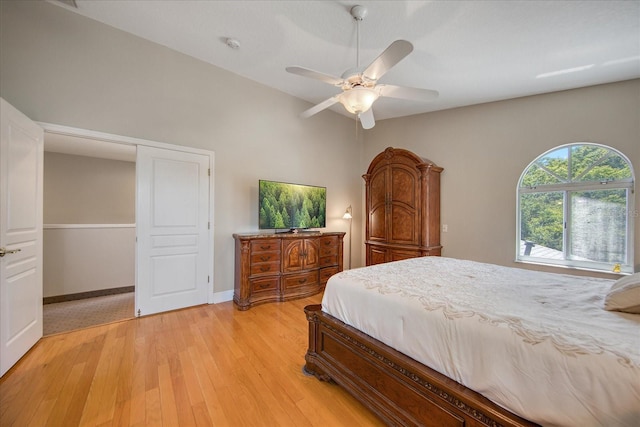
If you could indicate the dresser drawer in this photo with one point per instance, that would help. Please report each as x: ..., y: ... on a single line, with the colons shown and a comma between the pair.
x: 264, y: 285
x: 265, y: 268
x: 265, y: 245
x: 300, y: 280
x: 328, y: 251
x: 264, y: 256
x: 328, y: 260
x: 325, y: 273
x: 328, y: 246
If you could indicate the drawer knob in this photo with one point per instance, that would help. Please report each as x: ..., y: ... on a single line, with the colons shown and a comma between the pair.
x: 265, y: 268
x: 265, y: 258
x: 265, y: 247
x: 301, y: 281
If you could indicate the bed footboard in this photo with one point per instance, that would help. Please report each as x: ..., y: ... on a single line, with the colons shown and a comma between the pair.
x: 395, y: 387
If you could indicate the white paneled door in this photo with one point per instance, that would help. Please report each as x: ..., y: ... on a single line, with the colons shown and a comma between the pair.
x: 21, y: 174
x: 172, y: 217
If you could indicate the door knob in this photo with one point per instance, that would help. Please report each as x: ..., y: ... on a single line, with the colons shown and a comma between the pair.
x: 3, y: 251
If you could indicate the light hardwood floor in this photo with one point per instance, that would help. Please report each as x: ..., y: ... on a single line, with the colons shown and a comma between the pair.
x: 206, y: 365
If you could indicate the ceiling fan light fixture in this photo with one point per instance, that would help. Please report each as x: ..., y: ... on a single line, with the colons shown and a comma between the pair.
x: 358, y: 99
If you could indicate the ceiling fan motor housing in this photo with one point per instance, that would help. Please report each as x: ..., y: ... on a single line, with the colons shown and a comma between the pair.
x: 353, y: 77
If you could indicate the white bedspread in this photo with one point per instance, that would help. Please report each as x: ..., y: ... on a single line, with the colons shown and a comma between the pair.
x: 539, y: 344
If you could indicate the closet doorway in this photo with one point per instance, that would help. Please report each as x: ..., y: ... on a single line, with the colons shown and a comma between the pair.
x: 88, y: 232
x: 168, y: 252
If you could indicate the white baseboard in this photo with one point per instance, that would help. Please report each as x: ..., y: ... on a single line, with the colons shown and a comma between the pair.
x: 223, y: 296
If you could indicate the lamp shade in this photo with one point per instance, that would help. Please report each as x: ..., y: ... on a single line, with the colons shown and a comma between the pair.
x: 347, y: 213
x: 358, y: 99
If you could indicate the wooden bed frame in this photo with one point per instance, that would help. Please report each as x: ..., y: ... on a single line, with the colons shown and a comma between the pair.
x: 399, y: 390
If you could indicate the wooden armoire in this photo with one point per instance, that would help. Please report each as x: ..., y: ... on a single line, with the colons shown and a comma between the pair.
x: 402, y: 206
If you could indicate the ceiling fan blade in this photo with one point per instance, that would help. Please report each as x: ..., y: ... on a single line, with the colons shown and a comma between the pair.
x: 387, y: 59
x: 319, y: 107
x: 367, y: 119
x: 305, y: 72
x: 412, y: 93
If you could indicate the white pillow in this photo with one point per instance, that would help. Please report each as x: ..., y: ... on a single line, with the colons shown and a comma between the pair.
x: 624, y: 295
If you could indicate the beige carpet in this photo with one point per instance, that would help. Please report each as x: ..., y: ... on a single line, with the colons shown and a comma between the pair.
x: 72, y: 315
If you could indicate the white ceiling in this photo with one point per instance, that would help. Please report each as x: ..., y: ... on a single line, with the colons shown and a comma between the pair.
x: 470, y: 51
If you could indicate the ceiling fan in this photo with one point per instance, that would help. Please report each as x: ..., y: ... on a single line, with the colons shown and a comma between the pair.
x: 360, y: 87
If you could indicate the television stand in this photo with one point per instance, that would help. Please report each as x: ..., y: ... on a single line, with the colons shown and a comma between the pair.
x: 297, y: 231
x: 290, y: 231
x: 284, y: 266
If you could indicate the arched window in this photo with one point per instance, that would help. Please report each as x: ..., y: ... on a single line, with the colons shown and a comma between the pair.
x: 575, y: 205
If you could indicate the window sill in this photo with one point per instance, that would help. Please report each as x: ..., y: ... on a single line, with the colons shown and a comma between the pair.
x: 573, y: 267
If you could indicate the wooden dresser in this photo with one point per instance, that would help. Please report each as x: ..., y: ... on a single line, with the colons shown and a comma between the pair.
x: 402, y: 206
x: 282, y: 266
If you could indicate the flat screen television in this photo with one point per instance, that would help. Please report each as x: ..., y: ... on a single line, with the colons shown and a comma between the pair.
x: 291, y: 206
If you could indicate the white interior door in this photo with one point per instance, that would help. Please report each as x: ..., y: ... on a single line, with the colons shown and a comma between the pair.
x: 21, y: 174
x: 172, y: 222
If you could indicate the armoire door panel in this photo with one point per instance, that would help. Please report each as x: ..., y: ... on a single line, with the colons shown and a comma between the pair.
x: 378, y: 223
x: 376, y: 256
x: 401, y: 255
x: 404, y: 186
x: 404, y: 224
x: 378, y: 189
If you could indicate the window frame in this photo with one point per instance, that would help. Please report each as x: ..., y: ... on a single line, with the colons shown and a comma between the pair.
x: 567, y: 188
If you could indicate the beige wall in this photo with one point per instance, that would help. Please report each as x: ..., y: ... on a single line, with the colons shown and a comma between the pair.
x: 58, y: 67
x: 87, y: 259
x: 484, y: 149
x: 88, y: 190
x: 81, y: 190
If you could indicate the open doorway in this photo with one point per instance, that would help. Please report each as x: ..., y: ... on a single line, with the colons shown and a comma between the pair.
x: 89, y: 232
x: 172, y: 230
